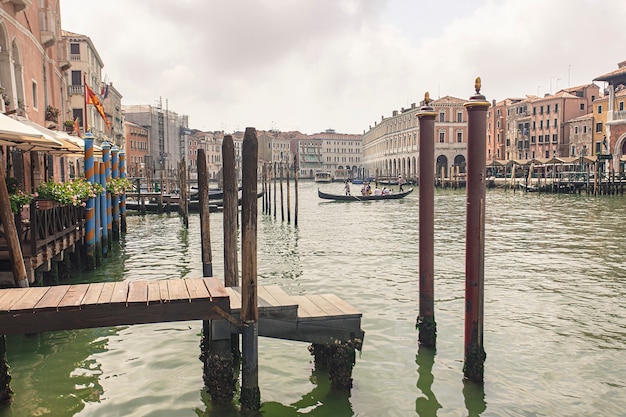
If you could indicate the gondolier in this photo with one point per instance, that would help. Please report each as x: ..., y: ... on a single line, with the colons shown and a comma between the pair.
x: 401, y: 182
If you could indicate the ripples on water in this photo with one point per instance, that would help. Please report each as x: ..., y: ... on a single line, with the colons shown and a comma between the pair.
x: 554, y: 315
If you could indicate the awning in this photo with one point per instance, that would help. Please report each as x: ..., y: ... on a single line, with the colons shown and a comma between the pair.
x: 19, y: 135
x: 64, y: 146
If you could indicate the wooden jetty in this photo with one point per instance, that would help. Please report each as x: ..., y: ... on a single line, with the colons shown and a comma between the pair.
x: 313, y: 318
x: 80, y: 306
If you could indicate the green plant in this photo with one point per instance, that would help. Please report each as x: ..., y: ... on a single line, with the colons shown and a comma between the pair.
x: 69, y: 123
x: 119, y: 185
x: 19, y: 199
x: 73, y: 192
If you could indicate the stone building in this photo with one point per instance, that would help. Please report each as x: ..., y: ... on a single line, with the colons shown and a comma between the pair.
x: 610, y: 119
x: 137, y: 148
x: 391, y: 147
x: 168, y: 133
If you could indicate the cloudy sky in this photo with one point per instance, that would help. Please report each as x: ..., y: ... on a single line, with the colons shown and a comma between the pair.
x: 310, y: 65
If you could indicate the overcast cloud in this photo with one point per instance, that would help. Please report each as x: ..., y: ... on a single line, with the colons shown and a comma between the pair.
x: 309, y: 65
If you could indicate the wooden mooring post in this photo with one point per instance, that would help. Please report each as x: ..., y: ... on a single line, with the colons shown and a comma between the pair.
x: 250, y: 393
x: 216, y: 356
x: 477, y: 106
x: 426, y: 319
x: 295, y: 181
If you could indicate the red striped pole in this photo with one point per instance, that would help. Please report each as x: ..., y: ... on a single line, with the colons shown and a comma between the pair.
x: 477, y: 106
x: 426, y: 320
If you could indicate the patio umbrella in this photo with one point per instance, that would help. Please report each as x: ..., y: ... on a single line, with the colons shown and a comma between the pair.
x: 27, y: 138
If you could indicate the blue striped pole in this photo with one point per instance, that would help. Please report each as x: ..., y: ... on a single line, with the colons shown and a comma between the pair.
x: 103, y: 210
x: 106, y: 158
x: 90, y: 220
x: 122, y: 156
x: 115, y: 204
x: 98, y: 210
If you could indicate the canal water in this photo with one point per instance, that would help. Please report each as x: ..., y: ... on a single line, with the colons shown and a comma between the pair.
x: 555, y: 315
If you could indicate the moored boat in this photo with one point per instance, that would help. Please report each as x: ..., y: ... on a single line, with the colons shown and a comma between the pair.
x: 370, y: 197
x: 323, y: 176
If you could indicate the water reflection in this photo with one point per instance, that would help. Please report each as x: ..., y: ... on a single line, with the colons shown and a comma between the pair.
x: 428, y: 405
x: 321, y: 401
x: 474, y: 395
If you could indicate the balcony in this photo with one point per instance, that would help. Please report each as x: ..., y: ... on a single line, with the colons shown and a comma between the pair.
x: 75, y: 89
x: 19, y: 4
x: 48, y: 38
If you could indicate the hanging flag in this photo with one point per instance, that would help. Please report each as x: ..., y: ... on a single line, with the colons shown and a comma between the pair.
x: 76, y: 127
x: 92, y: 98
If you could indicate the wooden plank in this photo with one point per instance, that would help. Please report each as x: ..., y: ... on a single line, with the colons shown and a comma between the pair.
x: 267, y: 296
x: 73, y: 297
x: 53, y: 297
x: 137, y: 292
x: 164, y: 291
x: 29, y: 299
x: 14, y: 295
x: 178, y: 290
x: 120, y: 292
x: 330, y: 310
x: 235, y: 298
x: 5, y: 294
x: 107, y: 293
x: 154, y: 292
x: 93, y: 294
x: 197, y: 289
x: 306, y: 308
x: 346, y: 308
x: 215, y: 287
x: 281, y: 297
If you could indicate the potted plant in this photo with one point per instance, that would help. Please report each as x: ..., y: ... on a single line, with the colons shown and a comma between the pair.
x: 73, y: 192
x: 52, y: 114
x: 118, y: 185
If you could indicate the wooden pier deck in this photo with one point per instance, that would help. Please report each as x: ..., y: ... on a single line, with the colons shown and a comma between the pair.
x: 65, y: 307
x: 313, y: 318
x: 316, y: 318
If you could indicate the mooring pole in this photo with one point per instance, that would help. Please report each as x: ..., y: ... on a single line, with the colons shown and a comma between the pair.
x: 250, y: 394
x: 282, y: 204
x: 12, y: 237
x: 106, y: 160
x: 122, y: 156
x: 115, y: 201
x: 275, y: 174
x: 426, y: 319
x: 230, y: 213
x: 90, y: 210
x: 296, y: 170
x: 477, y: 106
x: 231, y: 271
x: 205, y: 224
x: 288, y: 195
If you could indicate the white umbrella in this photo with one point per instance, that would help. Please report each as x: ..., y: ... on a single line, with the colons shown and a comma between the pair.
x: 27, y: 138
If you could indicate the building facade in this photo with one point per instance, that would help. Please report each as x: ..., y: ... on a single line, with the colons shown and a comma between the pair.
x: 86, y: 67
x: 168, y: 133
x: 137, y: 148
x: 391, y: 147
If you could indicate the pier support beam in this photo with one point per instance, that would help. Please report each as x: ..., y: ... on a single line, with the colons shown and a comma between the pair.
x: 250, y: 393
x: 5, y: 378
x: 477, y: 106
x: 426, y: 319
x: 338, y: 359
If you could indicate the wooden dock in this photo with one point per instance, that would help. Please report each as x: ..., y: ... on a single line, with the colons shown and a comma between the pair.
x: 317, y: 318
x: 313, y: 318
x: 66, y: 307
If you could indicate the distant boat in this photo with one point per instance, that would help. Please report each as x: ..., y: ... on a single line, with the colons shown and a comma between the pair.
x: 371, y: 197
x: 323, y: 176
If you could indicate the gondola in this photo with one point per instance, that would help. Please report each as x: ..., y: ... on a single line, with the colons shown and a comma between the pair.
x: 371, y: 197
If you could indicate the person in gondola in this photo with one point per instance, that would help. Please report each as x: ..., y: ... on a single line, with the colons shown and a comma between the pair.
x: 346, y: 187
x: 401, y: 182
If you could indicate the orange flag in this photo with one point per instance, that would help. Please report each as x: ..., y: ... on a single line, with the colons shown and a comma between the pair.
x: 92, y: 98
x: 76, y: 127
